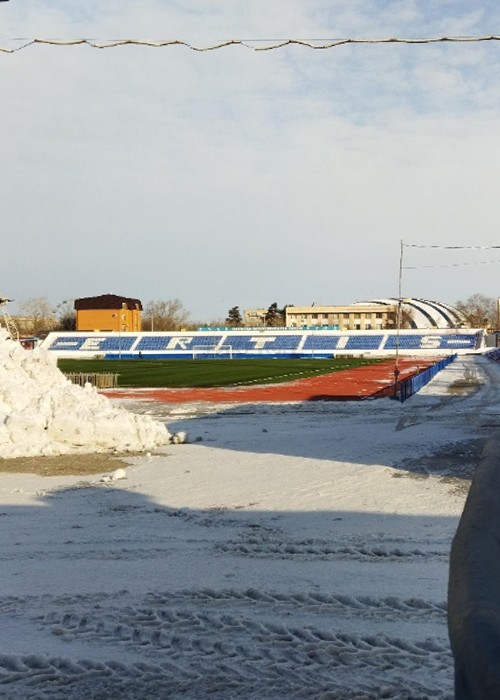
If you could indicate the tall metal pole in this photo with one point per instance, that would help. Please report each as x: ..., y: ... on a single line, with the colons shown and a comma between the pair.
x: 398, y: 317
x: 498, y: 322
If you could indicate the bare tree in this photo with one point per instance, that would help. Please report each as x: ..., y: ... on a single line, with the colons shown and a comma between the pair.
x: 38, y: 316
x: 167, y: 315
x: 212, y: 323
x: 479, y: 310
x: 66, y: 316
x: 404, y: 317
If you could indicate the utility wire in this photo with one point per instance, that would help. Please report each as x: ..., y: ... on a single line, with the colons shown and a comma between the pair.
x: 252, y: 44
x: 482, y: 262
x: 452, y: 247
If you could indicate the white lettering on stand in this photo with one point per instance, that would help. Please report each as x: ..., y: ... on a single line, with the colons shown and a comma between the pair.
x: 92, y: 344
x: 430, y: 341
x: 260, y: 343
x: 179, y: 343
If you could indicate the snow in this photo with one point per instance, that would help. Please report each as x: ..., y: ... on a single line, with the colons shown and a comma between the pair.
x: 43, y: 413
x: 284, y: 551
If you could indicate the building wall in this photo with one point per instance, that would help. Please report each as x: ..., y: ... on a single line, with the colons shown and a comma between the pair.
x: 120, y: 320
x: 360, y: 317
x: 108, y: 312
x: 254, y: 317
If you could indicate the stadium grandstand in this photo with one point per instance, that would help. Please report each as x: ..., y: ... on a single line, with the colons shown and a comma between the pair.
x: 278, y: 342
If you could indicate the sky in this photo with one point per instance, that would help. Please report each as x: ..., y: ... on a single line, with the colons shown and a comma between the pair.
x: 242, y: 177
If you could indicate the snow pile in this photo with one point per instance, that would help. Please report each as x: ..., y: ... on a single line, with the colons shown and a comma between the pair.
x: 43, y: 413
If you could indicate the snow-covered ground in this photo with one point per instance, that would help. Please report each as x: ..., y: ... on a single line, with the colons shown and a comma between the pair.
x: 286, y: 551
x: 43, y: 413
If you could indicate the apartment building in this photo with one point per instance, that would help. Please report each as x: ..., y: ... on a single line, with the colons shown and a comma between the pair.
x: 353, y: 317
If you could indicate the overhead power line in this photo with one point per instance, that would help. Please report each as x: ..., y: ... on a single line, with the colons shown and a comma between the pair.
x: 452, y: 247
x: 252, y: 44
x: 463, y: 264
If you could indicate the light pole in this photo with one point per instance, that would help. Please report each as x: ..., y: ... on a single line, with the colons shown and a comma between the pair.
x: 398, y: 319
x: 123, y: 326
x: 65, y: 319
x: 498, y: 321
x: 119, y: 320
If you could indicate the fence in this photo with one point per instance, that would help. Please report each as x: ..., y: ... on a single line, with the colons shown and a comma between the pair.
x: 101, y: 380
x: 410, y: 386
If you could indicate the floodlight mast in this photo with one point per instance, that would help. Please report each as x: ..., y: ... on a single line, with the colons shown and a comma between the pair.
x: 7, y: 318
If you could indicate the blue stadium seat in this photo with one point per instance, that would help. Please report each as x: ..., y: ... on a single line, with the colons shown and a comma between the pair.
x: 176, y: 342
x: 364, y: 342
x: 262, y: 343
x: 431, y: 341
x: 93, y: 343
x: 321, y: 342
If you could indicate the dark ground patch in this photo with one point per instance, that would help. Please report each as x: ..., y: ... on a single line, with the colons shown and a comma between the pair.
x: 455, y: 463
x: 63, y: 465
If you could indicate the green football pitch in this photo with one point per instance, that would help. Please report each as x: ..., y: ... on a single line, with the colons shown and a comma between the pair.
x: 209, y: 373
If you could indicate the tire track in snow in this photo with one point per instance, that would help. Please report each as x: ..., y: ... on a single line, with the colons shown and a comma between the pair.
x: 225, y: 644
x: 308, y: 551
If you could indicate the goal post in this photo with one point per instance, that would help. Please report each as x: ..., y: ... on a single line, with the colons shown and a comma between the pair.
x: 212, y: 352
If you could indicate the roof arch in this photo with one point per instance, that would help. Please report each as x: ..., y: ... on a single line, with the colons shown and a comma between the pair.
x: 424, y: 313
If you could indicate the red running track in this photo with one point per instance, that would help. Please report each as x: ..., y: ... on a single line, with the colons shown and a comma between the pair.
x: 370, y: 382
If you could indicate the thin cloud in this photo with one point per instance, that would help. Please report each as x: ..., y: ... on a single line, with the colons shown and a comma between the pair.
x: 234, y: 177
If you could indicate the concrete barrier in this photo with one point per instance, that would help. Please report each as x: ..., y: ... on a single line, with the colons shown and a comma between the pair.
x: 474, y: 584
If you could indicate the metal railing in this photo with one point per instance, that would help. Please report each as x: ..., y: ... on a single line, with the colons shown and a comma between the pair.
x: 410, y: 386
x: 101, y: 380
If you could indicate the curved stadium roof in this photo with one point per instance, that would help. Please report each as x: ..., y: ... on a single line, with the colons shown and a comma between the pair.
x: 427, y: 314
